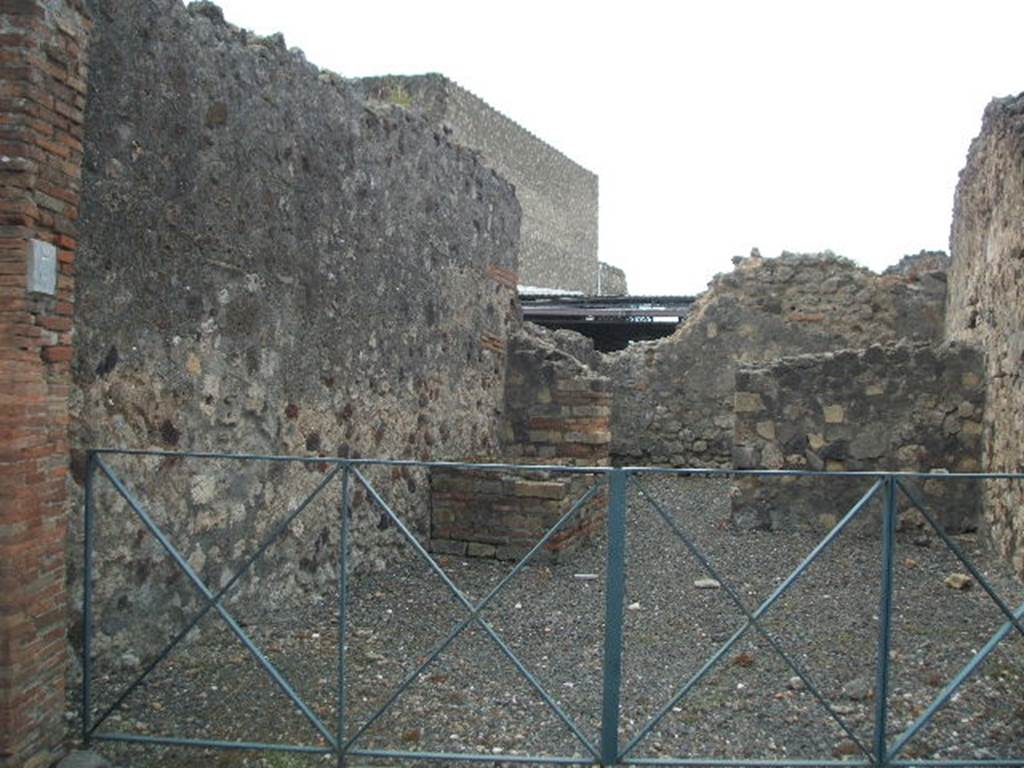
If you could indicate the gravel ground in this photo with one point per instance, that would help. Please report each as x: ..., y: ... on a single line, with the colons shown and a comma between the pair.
x: 472, y: 699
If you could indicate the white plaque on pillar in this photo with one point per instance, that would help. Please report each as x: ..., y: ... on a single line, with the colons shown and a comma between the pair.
x: 42, y: 267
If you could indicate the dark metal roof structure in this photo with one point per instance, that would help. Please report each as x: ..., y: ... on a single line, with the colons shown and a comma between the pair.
x: 611, y: 321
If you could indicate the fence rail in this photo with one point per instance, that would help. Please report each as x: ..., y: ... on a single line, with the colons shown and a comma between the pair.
x: 890, y: 490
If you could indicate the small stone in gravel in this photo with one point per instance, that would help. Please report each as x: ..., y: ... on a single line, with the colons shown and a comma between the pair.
x: 845, y: 749
x: 745, y: 659
x: 795, y: 684
x: 130, y: 661
x: 858, y: 689
x: 633, y: 607
x: 707, y: 584
x: 910, y: 563
x: 959, y: 581
x: 82, y: 759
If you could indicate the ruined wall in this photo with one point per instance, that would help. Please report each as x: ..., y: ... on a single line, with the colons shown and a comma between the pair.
x: 270, y: 265
x: 612, y: 281
x: 986, y: 301
x: 900, y: 407
x: 920, y: 263
x: 558, y: 409
x: 559, y: 197
x: 673, y: 399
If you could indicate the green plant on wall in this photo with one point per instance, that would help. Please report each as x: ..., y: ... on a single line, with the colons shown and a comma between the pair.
x: 397, y: 94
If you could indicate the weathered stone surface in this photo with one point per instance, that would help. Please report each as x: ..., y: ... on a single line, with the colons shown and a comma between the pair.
x: 559, y: 197
x: 270, y: 264
x: 920, y: 264
x: 612, y: 281
x: 920, y: 421
x: 673, y: 398
x: 986, y: 303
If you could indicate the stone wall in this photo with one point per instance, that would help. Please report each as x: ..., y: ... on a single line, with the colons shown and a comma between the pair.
x: 271, y: 265
x: 902, y: 407
x: 559, y: 197
x: 673, y: 399
x: 920, y: 263
x: 612, y: 281
x: 42, y: 95
x: 986, y: 302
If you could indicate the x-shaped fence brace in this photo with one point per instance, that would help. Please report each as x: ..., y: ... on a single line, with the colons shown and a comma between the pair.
x: 338, y: 744
x: 880, y: 753
x: 213, y: 601
x: 1014, y: 620
x: 752, y: 619
x: 883, y: 754
x: 474, y: 616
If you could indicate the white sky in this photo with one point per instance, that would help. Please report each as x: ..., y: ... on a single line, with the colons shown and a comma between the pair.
x: 714, y: 126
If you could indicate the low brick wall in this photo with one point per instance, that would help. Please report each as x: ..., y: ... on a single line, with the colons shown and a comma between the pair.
x: 557, y: 412
x: 483, y: 513
x: 574, y: 425
x: 900, y: 407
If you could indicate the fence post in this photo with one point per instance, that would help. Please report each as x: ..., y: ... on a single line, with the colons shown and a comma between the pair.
x: 343, y: 511
x: 613, y: 599
x: 885, y: 624
x: 90, y: 475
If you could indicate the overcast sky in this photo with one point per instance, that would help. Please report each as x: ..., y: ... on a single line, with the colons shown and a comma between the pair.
x: 716, y: 126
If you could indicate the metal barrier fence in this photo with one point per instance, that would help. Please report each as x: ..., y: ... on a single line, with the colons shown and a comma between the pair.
x: 340, y: 739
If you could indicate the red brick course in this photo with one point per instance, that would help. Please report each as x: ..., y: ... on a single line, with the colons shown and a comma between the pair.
x: 42, y: 98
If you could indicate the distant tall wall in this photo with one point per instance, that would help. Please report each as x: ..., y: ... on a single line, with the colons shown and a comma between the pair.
x: 271, y: 265
x: 558, y: 241
x: 986, y: 302
x: 673, y: 399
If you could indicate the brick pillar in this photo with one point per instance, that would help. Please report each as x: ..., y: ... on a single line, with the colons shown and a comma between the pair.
x: 42, y: 103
